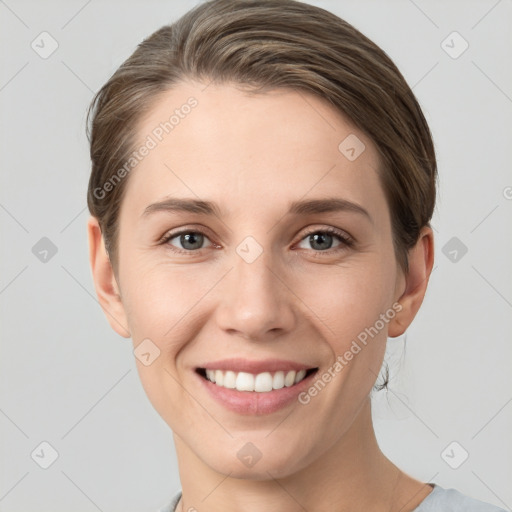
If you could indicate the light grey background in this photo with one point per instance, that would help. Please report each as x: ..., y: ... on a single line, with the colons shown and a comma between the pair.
x: 69, y: 380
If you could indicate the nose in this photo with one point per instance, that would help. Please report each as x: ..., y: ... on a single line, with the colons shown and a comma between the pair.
x: 255, y: 301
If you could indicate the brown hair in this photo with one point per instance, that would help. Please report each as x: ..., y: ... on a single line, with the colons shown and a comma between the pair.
x: 264, y: 45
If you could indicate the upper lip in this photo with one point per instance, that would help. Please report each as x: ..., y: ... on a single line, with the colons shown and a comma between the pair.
x: 246, y: 365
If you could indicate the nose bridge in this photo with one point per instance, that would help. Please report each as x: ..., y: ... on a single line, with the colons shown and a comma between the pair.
x: 253, y: 268
x: 254, y: 301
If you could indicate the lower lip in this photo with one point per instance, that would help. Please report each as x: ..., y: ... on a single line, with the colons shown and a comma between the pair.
x: 253, y: 403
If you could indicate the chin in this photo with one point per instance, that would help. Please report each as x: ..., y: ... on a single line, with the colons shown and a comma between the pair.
x: 251, y: 463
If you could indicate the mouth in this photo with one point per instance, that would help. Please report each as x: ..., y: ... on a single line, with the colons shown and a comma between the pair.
x: 260, y: 388
x: 263, y: 382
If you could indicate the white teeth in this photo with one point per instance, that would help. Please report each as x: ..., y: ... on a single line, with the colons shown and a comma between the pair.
x: 244, y: 382
x: 263, y: 382
x: 278, y: 380
x: 260, y: 383
x: 300, y: 375
x: 229, y: 380
x: 289, y: 380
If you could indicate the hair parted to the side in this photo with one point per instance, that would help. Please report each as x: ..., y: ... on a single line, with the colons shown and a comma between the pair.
x: 262, y: 45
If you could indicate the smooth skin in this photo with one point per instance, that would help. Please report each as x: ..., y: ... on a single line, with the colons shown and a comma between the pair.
x: 253, y: 155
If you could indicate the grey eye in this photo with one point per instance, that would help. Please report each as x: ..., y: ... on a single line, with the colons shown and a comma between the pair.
x: 319, y: 240
x: 190, y: 240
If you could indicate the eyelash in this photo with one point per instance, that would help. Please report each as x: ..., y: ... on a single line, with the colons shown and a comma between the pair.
x: 346, y: 240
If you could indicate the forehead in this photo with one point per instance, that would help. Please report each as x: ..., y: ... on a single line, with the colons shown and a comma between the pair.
x: 224, y: 144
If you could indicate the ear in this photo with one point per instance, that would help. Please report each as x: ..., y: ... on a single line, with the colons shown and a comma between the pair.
x: 414, y: 283
x: 105, y: 282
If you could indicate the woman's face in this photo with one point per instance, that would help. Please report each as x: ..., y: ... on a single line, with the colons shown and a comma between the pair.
x: 259, y: 286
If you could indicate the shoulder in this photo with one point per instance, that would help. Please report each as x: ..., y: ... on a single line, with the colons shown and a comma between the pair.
x: 439, y: 500
x: 171, y: 505
x: 451, y: 500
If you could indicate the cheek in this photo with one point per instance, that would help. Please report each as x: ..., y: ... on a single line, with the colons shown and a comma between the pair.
x: 162, y: 305
x: 350, y: 299
x: 354, y: 306
x: 162, y: 302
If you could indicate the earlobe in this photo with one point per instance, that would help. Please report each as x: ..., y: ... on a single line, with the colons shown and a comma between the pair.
x: 421, y: 261
x: 105, y: 282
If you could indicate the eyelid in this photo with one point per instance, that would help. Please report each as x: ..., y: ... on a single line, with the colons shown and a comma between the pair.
x: 346, y: 237
x: 172, y: 233
x: 346, y: 243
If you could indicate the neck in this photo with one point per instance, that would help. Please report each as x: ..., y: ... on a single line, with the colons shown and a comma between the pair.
x: 352, y: 475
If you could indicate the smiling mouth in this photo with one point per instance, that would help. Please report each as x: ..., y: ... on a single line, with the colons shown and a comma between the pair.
x: 257, y: 383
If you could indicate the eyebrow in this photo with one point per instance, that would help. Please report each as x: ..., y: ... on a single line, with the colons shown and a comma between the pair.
x: 302, y: 207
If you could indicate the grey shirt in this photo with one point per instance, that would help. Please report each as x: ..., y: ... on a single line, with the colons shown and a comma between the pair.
x: 439, y: 500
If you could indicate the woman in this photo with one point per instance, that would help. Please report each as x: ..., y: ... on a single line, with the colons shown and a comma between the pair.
x: 262, y: 184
